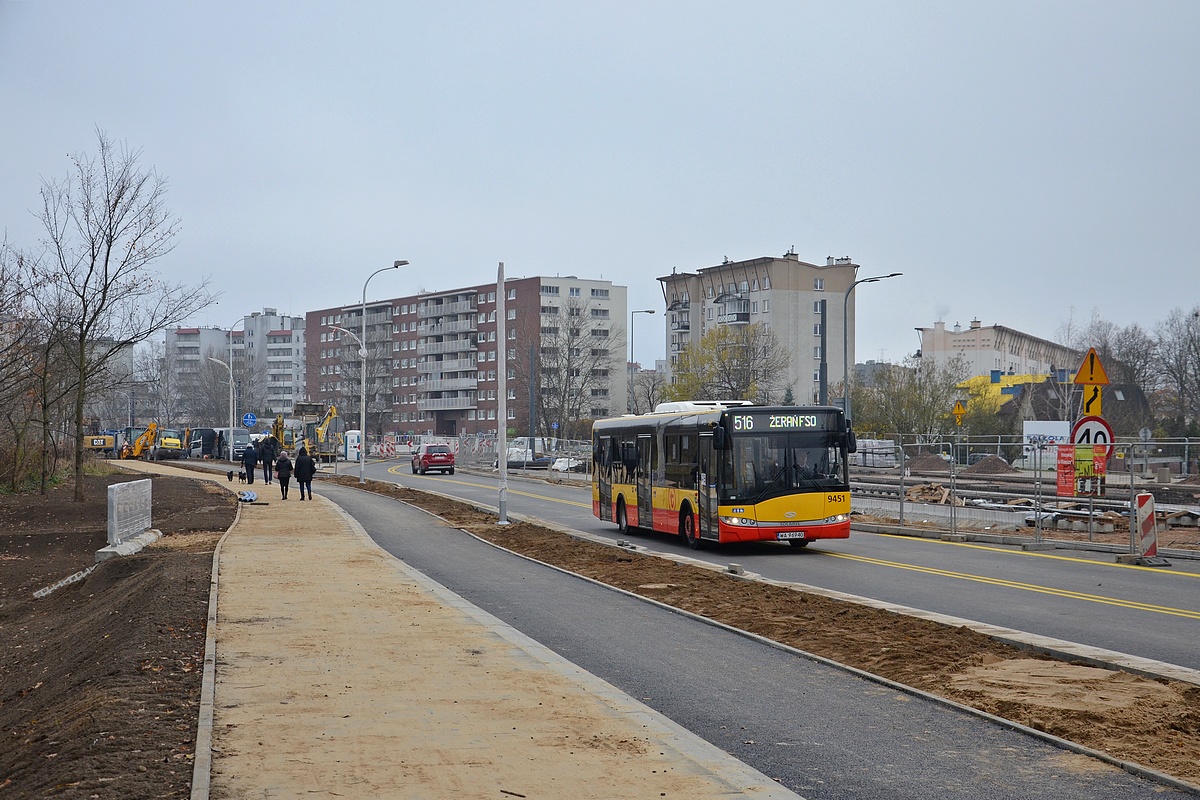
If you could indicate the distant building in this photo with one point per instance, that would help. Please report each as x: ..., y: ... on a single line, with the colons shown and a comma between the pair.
x: 785, y: 294
x: 270, y: 349
x: 996, y: 349
x: 434, y: 361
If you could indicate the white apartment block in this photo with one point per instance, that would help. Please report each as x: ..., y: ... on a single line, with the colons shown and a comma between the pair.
x: 270, y: 347
x: 995, y: 349
x: 783, y: 293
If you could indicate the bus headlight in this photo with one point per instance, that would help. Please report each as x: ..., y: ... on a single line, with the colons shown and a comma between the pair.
x: 742, y: 522
x: 836, y: 519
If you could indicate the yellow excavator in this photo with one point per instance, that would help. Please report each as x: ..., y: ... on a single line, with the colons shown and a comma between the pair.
x: 321, y: 443
x: 140, y: 446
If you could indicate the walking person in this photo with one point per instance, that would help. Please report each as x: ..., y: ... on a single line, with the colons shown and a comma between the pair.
x: 283, y: 470
x: 250, y: 461
x: 305, y: 469
x: 268, y: 451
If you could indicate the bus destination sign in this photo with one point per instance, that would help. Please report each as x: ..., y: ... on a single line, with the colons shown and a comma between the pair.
x: 768, y: 421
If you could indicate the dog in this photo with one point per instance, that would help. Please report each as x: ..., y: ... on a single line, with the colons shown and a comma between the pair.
x: 229, y: 476
x: 241, y: 476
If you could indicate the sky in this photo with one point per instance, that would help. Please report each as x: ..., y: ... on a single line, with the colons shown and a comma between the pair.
x: 1021, y: 163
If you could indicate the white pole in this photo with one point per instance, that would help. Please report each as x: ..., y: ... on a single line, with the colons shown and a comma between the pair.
x: 362, y: 395
x: 502, y: 387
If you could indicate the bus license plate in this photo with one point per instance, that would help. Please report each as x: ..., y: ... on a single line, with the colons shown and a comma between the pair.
x: 790, y: 535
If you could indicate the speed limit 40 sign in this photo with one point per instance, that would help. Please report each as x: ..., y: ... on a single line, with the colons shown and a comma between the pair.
x: 1092, y: 430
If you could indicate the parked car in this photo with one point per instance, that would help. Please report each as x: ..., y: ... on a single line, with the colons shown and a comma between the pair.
x: 433, y: 456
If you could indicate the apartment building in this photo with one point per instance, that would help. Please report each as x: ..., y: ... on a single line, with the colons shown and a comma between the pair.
x: 995, y: 349
x: 267, y: 356
x: 435, y: 360
x: 787, y: 295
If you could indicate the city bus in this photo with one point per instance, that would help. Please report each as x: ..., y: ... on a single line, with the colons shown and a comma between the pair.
x: 725, y: 472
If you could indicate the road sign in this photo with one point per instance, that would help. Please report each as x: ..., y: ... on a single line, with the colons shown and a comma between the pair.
x: 249, y: 420
x: 1091, y: 372
x: 959, y: 410
x: 1093, y: 397
x: 1092, y: 430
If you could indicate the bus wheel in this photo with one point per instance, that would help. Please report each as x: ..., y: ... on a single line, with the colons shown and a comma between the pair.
x: 687, y: 528
x: 798, y: 542
x: 622, y: 516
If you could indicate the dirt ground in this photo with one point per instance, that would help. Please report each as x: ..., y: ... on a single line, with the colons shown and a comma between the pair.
x: 99, y: 681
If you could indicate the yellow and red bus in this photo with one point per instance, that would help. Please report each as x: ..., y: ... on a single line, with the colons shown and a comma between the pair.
x: 724, y: 472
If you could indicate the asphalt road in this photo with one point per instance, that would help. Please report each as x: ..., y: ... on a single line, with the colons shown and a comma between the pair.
x: 820, y: 730
x: 1071, y: 595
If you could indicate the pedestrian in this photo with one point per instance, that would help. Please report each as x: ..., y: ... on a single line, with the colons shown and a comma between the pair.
x: 250, y: 461
x: 268, y: 451
x: 305, y: 469
x: 283, y: 470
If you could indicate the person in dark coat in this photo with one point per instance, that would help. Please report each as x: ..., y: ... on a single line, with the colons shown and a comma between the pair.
x: 250, y: 461
x: 305, y: 469
x: 268, y: 450
x: 283, y: 471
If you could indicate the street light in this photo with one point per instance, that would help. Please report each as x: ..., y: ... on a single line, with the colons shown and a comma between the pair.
x: 845, y: 339
x: 632, y: 357
x: 362, y: 344
x: 229, y: 367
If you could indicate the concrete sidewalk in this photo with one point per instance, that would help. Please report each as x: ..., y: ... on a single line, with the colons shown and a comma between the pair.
x: 342, y: 672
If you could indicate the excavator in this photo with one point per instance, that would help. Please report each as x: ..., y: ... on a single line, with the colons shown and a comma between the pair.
x: 140, y: 446
x: 321, y: 443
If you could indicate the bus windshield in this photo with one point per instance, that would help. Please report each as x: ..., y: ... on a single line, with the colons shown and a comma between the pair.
x: 762, y: 466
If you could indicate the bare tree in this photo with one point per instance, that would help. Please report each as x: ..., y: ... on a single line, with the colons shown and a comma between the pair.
x: 573, y: 367
x: 912, y: 397
x: 1179, y: 361
x: 648, y: 390
x: 731, y: 363
x: 105, y: 225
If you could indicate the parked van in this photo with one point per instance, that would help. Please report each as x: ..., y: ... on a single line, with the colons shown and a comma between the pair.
x: 241, y: 440
x: 203, y: 443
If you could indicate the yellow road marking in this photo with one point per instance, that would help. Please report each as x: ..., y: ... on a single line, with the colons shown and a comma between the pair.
x: 1037, y: 554
x: 1027, y: 587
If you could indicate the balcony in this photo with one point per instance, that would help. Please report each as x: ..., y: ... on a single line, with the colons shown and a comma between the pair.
x: 681, y: 325
x: 446, y: 328
x: 433, y: 310
x: 429, y: 366
x: 448, y: 346
x: 445, y: 403
x: 734, y: 318
x: 448, y: 385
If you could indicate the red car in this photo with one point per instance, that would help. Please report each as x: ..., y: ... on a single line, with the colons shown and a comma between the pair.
x: 433, y: 456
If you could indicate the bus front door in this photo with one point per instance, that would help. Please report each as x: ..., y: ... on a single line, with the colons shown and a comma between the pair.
x: 645, y: 470
x: 603, y: 477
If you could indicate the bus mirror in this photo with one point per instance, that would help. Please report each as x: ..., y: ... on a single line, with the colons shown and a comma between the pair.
x: 718, y: 437
x: 851, y: 441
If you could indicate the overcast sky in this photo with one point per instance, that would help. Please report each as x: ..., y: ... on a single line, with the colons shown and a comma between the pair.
x: 1015, y: 160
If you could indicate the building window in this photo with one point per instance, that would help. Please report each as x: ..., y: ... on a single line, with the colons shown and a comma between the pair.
x: 512, y: 413
x: 574, y: 291
x: 766, y: 306
x: 599, y: 292
x: 818, y: 284
x: 817, y: 352
x: 754, y: 307
x: 512, y: 313
x: 817, y: 329
x: 512, y: 294
x: 754, y: 285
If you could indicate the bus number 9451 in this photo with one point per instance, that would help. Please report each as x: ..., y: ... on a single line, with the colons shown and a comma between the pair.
x: 835, y: 498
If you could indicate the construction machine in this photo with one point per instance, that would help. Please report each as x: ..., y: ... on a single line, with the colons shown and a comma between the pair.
x: 168, y: 443
x: 140, y: 446
x: 321, y: 442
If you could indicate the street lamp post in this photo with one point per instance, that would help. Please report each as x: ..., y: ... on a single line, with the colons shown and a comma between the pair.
x: 228, y: 366
x: 846, y: 338
x: 632, y: 357
x: 362, y: 345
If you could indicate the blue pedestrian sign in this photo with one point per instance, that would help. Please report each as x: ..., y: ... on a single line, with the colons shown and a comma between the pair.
x: 249, y: 421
